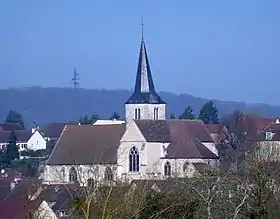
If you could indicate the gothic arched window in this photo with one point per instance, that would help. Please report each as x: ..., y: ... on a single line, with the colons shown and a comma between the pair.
x: 73, y: 175
x: 133, y: 160
x: 62, y: 174
x: 108, y: 174
x: 167, y: 169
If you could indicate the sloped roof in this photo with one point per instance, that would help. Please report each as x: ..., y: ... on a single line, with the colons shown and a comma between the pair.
x: 10, y: 127
x: 273, y: 128
x: 257, y: 123
x: 144, y: 91
x: 61, y: 197
x: 53, y: 130
x: 24, y: 188
x: 21, y: 135
x: 87, y: 144
x: 215, y: 128
x: 185, y: 137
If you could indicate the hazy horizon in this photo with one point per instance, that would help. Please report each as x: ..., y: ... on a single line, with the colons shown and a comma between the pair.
x: 216, y: 50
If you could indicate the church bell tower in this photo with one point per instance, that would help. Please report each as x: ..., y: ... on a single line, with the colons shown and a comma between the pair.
x: 144, y: 103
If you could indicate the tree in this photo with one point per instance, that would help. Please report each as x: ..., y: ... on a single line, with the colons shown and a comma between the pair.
x: 172, y: 116
x: 94, y: 117
x: 12, y: 149
x: 187, y: 114
x: 14, y: 117
x: 209, y: 113
x: 88, y: 121
x: 115, y: 116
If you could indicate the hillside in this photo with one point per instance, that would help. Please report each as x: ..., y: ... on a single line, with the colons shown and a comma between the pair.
x: 62, y: 104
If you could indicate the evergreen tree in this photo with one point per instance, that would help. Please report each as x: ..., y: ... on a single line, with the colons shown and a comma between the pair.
x: 115, y: 116
x: 209, y: 113
x: 187, y: 114
x: 93, y: 118
x: 172, y: 116
x: 84, y: 120
x: 14, y: 117
x: 88, y: 121
x: 12, y: 149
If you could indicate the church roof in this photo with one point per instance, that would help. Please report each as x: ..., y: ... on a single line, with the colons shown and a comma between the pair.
x: 185, y: 137
x: 144, y: 91
x: 87, y: 144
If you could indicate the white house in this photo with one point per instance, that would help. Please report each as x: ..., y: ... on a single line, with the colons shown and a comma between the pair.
x: 146, y: 146
x: 26, y: 139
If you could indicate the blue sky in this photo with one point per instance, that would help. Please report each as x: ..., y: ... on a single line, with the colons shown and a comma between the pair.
x: 228, y: 50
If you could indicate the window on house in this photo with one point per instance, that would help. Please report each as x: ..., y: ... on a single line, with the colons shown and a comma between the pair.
x: 62, y: 174
x: 133, y: 160
x: 167, y: 169
x: 155, y: 113
x: 73, y: 175
x: 268, y: 136
x: 108, y: 174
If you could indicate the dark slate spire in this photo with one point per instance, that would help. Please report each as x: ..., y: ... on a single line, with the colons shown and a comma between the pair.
x: 144, y: 91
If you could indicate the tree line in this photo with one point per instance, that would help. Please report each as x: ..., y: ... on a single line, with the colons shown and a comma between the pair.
x: 209, y: 113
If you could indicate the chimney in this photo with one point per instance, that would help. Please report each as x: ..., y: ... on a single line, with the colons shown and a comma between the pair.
x: 33, y: 130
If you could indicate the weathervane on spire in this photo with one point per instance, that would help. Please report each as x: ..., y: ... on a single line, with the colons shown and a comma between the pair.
x: 142, y: 25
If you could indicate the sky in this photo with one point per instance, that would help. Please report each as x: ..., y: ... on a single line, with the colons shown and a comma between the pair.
x: 227, y: 50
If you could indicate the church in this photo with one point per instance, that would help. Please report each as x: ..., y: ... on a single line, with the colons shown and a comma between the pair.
x: 145, y: 146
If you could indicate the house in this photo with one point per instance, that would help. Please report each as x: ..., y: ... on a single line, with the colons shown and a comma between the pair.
x: 26, y: 139
x: 59, y: 198
x: 145, y: 147
x: 255, y: 125
x: 268, y: 141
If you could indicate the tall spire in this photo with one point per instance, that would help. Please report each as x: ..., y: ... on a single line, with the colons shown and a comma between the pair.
x: 144, y: 91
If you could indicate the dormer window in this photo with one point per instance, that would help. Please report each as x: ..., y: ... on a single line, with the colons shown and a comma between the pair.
x: 268, y: 136
x: 137, y: 113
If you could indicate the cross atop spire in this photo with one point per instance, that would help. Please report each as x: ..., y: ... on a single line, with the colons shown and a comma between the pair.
x: 142, y: 26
